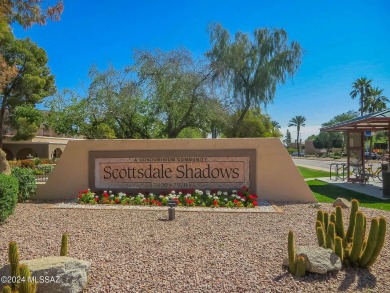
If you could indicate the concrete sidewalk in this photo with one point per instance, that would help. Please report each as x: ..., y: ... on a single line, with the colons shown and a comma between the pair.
x: 372, y: 188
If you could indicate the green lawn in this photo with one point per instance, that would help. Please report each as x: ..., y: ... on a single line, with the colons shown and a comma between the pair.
x: 325, y: 192
x: 312, y: 173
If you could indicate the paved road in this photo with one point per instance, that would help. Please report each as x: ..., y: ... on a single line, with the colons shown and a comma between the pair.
x: 318, y: 164
x: 324, y: 165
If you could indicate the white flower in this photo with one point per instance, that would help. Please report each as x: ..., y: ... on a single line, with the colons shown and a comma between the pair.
x: 121, y: 194
x: 111, y: 195
x: 225, y: 193
x: 242, y: 199
x: 97, y: 196
x: 225, y: 199
x: 109, y: 191
x: 173, y: 192
x: 161, y: 196
x: 234, y: 191
x: 207, y: 192
x: 187, y: 195
x: 215, y: 197
x: 180, y: 193
x: 219, y: 192
x: 210, y: 196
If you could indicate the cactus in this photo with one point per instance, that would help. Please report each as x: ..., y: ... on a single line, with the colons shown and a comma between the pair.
x: 13, y: 257
x: 291, y: 252
x: 326, y: 222
x: 339, y: 222
x: 300, y: 267
x: 320, y: 216
x: 352, y: 219
x: 380, y: 241
x: 332, y: 218
x: 27, y: 286
x: 64, y: 245
x: 338, y: 248
x: 330, y: 236
x: 7, y: 289
x: 357, y: 242
x: 370, y: 243
x: 320, y: 236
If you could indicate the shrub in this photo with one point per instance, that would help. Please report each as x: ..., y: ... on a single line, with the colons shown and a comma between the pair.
x: 26, y: 179
x: 27, y: 163
x: 37, y: 161
x: 46, y: 168
x: 8, y: 195
x: 292, y: 150
x: 336, y: 157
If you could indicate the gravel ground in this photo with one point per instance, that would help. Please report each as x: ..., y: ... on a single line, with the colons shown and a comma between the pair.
x: 138, y: 251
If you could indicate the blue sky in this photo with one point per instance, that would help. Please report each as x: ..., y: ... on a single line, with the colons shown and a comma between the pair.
x: 343, y: 40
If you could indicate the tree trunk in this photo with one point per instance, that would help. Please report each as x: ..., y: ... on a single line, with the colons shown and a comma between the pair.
x: 299, y: 153
x: 2, y: 114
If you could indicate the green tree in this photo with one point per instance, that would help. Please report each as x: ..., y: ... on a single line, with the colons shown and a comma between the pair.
x: 112, y: 108
x: 375, y: 101
x: 255, y: 124
x: 361, y: 87
x: 26, y: 120
x: 328, y: 140
x: 28, y: 12
x: 287, y: 139
x: 179, y: 89
x: 298, y: 122
x: 252, y: 68
x: 341, y: 137
x: 33, y: 81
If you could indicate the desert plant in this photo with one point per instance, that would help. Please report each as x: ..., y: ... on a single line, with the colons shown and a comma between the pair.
x: 300, y: 267
x: 353, y: 247
x: 7, y: 289
x: 291, y: 252
x: 8, y: 196
x: 13, y: 258
x: 296, y: 265
x: 28, y: 285
x: 27, y: 184
x: 64, y: 245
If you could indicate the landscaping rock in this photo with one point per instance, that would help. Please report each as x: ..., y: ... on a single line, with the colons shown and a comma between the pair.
x: 317, y: 259
x: 4, y: 166
x: 342, y: 202
x: 56, y: 274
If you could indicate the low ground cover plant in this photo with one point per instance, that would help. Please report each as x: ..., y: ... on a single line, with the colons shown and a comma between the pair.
x: 8, y: 195
x: 233, y: 199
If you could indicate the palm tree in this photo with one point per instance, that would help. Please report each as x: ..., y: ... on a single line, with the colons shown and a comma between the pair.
x: 375, y: 101
x: 298, y: 122
x: 361, y: 87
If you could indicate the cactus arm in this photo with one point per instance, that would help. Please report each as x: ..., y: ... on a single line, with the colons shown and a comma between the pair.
x: 301, y: 267
x: 357, y: 242
x: 379, y: 242
x: 352, y: 219
x: 321, y: 237
x: 338, y: 247
x: 326, y: 222
x: 339, y: 222
x: 291, y: 252
x: 64, y: 245
x: 13, y: 257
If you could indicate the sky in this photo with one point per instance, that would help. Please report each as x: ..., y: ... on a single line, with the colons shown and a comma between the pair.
x: 342, y: 40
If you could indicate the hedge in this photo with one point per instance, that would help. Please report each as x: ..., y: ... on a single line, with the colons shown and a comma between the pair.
x: 9, y: 188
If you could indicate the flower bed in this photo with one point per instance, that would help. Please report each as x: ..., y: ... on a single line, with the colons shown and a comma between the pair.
x: 183, y: 198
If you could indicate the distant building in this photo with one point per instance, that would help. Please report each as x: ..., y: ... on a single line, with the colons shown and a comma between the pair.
x: 46, y: 144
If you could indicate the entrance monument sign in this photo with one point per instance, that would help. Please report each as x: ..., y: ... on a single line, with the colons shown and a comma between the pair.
x: 162, y: 165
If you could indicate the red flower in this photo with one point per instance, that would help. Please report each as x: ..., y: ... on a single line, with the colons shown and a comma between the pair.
x: 244, y: 188
x: 85, y: 191
x: 80, y: 195
x: 235, y: 201
x: 105, y: 195
x: 96, y: 199
x: 117, y: 200
x: 215, y: 202
x: 255, y: 203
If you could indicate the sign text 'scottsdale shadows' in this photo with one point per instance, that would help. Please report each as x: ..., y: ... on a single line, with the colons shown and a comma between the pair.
x: 171, y: 172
